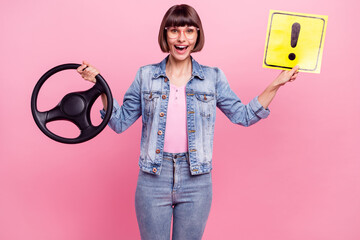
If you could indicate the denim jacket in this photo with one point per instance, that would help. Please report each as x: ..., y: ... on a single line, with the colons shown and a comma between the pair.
x: 207, y: 89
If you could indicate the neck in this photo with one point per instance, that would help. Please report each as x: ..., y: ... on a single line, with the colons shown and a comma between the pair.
x: 178, y: 68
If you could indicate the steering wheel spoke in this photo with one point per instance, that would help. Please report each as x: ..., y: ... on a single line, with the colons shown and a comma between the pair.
x: 83, y: 122
x: 86, y: 131
x: 92, y: 94
x: 54, y: 114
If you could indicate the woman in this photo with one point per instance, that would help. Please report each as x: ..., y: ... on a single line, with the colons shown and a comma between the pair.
x: 177, y: 99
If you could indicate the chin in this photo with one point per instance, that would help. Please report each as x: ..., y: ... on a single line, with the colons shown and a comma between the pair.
x: 180, y: 57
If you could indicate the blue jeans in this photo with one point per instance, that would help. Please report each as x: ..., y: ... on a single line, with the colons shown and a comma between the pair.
x: 174, y: 193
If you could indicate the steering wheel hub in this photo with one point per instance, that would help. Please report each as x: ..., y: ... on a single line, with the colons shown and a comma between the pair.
x: 73, y: 104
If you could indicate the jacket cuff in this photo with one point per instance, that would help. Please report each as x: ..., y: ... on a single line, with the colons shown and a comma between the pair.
x: 115, y: 108
x: 258, y: 109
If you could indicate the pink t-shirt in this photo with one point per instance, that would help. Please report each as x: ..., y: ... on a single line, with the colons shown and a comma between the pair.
x: 176, y: 130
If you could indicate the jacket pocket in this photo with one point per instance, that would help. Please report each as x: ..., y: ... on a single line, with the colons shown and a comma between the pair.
x: 206, y: 104
x: 150, y: 101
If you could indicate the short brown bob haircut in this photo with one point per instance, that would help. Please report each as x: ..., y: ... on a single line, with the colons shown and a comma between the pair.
x: 179, y: 16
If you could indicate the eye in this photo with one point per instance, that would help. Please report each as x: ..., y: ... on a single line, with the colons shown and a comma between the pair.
x: 190, y: 30
x: 173, y: 30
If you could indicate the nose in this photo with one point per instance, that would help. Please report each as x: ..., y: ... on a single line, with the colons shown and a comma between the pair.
x: 181, y: 36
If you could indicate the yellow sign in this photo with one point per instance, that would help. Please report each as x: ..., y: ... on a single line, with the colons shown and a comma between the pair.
x: 295, y: 39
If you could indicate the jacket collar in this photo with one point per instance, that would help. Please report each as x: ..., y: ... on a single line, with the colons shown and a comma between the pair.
x: 196, y: 69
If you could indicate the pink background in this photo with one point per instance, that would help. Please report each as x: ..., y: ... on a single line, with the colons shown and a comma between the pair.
x: 293, y: 176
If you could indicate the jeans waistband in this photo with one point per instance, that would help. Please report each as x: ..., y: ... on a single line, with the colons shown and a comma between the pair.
x: 176, y: 156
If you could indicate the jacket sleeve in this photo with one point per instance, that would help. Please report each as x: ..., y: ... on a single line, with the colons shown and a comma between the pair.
x: 233, y: 108
x: 124, y: 116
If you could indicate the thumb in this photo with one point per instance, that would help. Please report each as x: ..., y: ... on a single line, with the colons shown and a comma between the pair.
x: 294, y: 69
x: 86, y: 63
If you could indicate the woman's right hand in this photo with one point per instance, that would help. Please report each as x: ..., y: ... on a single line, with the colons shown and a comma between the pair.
x: 88, y: 72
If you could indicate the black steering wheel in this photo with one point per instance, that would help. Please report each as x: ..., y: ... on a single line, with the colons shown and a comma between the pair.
x: 74, y: 107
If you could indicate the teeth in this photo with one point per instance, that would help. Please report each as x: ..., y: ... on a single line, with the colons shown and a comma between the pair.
x: 182, y: 47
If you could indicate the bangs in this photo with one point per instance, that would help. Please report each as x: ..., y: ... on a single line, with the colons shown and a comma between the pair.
x: 181, y: 17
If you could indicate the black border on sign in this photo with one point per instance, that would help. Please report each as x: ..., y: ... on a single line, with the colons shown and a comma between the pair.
x: 296, y: 15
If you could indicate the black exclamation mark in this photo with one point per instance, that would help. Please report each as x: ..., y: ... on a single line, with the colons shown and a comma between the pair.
x: 295, y: 30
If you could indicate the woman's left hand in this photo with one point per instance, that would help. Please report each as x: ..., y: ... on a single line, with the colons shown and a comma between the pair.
x: 287, y: 76
x: 269, y: 93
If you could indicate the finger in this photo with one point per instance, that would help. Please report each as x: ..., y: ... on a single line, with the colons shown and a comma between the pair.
x: 85, y: 65
x: 294, y: 70
x: 94, y: 71
x: 293, y: 78
x: 90, y: 74
x: 294, y: 74
x: 85, y: 68
x: 89, y: 78
x: 80, y: 68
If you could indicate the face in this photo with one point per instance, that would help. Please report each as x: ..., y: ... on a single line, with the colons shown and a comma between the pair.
x: 181, y: 41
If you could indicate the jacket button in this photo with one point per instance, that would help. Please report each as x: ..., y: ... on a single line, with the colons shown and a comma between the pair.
x: 166, y: 79
x: 162, y: 114
x: 160, y: 132
x: 157, y: 151
x: 163, y: 96
x: 154, y: 170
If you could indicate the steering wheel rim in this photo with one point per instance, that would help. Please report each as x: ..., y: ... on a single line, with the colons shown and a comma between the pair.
x: 74, y: 107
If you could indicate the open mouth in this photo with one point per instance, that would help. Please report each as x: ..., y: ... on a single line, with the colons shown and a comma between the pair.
x: 181, y: 47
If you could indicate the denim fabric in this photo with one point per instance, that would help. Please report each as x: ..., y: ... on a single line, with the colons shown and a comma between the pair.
x: 175, y: 193
x: 207, y: 89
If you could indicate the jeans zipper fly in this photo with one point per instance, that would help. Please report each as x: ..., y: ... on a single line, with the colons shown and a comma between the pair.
x: 174, y: 170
